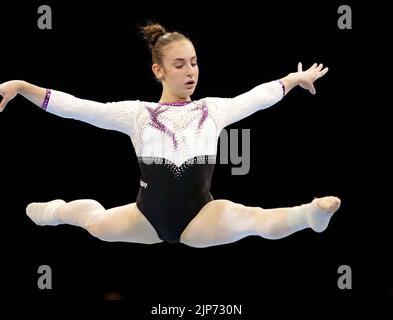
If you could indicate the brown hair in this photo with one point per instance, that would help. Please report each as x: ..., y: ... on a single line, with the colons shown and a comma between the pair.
x: 158, y: 38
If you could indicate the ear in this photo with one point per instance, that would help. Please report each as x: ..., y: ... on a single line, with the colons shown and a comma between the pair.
x: 157, y: 70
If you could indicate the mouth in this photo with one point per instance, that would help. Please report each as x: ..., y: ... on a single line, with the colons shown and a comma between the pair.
x: 190, y: 83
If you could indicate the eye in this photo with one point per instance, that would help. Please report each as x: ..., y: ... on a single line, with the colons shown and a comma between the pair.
x: 194, y: 64
x: 179, y: 66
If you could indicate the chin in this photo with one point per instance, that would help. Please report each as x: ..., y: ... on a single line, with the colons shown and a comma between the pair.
x: 191, y: 91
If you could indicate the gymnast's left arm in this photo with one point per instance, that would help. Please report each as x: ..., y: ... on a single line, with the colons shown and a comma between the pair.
x: 230, y: 110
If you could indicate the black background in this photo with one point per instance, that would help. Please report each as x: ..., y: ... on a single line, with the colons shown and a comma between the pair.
x: 337, y: 142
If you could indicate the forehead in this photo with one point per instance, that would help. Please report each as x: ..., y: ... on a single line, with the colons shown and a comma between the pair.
x: 179, y: 49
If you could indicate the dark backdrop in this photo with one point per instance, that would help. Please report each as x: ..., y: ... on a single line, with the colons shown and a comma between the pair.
x: 337, y: 142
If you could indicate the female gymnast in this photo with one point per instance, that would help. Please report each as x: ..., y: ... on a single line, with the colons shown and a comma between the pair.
x: 175, y: 141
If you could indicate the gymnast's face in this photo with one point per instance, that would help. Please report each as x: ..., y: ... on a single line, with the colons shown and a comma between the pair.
x: 179, y: 71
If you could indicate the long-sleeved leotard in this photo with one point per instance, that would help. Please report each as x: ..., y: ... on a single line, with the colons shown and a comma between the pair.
x: 176, y: 146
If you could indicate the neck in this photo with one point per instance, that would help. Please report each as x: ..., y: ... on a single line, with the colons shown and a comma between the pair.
x: 172, y: 98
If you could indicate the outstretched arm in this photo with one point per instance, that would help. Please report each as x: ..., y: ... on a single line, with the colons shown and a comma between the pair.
x: 230, y: 110
x: 119, y: 116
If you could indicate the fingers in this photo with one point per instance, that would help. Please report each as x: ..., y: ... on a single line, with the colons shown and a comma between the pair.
x: 311, y: 74
x: 316, y: 67
x: 321, y: 73
x: 318, y: 70
x: 3, y: 103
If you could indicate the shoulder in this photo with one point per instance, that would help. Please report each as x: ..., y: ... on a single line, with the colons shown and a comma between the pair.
x: 130, y: 105
x: 211, y: 101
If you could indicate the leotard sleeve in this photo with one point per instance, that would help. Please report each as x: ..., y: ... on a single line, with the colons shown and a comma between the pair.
x: 118, y: 116
x: 230, y: 110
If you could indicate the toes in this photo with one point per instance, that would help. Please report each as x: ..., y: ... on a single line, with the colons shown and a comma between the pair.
x: 328, y: 203
x: 334, y: 200
x: 334, y: 204
x: 28, y: 208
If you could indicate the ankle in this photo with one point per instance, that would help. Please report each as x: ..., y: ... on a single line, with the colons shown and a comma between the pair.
x: 56, y: 214
x: 298, y: 217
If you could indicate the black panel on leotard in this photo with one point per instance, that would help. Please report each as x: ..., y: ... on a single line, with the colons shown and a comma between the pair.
x: 171, y: 201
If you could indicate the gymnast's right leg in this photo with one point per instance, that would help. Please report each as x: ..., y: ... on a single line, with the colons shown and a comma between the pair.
x: 124, y: 223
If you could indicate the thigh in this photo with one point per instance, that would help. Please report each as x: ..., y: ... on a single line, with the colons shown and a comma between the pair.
x: 124, y: 223
x: 219, y: 222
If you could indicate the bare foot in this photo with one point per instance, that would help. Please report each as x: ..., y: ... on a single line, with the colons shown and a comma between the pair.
x: 321, y: 212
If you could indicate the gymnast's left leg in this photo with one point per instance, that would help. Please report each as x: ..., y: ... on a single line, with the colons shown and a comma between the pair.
x: 223, y: 221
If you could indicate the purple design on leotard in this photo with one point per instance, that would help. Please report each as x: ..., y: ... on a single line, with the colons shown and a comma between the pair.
x: 46, y: 100
x: 282, y: 87
x: 205, y: 113
x: 174, y: 104
x: 155, y: 112
x: 155, y: 123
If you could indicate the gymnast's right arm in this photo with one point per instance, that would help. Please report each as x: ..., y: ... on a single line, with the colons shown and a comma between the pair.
x: 119, y: 116
x: 8, y: 90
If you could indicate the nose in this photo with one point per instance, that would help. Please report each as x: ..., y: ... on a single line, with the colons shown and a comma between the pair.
x: 189, y: 70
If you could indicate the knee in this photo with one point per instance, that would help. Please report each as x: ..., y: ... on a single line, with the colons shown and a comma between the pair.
x: 93, y: 205
x: 230, y: 209
x: 99, y: 231
x: 231, y: 216
x: 227, y: 207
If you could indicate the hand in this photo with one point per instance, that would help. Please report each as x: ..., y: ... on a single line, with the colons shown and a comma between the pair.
x: 307, y: 78
x: 8, y: 90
